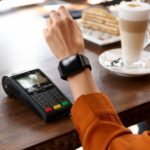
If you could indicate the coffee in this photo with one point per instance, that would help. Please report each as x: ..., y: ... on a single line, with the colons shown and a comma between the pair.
x: 133, y: 26
x: 133, y: 21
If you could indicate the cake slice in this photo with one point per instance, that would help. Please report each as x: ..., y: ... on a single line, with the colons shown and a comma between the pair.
x: 100, y: 19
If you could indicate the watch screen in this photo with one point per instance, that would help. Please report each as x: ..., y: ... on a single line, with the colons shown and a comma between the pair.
x: 31, y: 80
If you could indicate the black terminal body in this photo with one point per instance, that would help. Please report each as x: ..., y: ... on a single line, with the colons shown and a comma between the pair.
x: 36, y: 90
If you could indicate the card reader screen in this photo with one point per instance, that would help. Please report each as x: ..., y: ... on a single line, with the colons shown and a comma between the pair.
x: 31, y: 80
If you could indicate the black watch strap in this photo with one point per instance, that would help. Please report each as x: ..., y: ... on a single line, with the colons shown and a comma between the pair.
x: 73, y: 65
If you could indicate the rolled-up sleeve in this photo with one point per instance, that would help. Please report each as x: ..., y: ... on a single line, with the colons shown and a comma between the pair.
x: 100, y: 128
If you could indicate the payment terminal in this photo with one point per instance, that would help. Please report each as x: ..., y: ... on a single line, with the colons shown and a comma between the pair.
x: 36, y: 90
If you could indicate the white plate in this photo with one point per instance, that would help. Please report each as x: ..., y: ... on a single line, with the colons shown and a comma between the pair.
x: 112, y: 61
x: 97, y: 37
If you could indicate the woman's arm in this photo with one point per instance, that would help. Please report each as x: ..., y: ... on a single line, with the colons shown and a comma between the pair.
x: 94, y: 117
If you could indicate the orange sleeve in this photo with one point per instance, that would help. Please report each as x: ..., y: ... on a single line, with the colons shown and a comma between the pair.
x: 100, y: 128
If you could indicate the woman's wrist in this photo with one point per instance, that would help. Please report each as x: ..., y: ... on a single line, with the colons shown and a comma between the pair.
x: 82, y: 83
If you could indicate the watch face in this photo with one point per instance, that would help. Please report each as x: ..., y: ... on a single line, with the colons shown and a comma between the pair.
x: 73, y: 65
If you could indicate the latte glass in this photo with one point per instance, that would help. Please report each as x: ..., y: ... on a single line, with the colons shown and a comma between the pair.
x: 133, y: 22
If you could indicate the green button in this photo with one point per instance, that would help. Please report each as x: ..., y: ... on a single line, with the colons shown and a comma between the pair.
x: 65, y: 103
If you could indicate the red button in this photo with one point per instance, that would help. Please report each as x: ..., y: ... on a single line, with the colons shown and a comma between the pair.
x: 48, y: 109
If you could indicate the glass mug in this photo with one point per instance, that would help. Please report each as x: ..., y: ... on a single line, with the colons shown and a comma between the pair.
x: 133, y: 22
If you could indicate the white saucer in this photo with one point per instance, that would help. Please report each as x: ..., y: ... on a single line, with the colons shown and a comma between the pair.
x: 112, y: 61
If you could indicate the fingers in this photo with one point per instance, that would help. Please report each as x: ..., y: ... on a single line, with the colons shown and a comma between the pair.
x: 64, y: 12
x: 45, y: 32
x: 48, y: 22
x: 55, y: 16
x: 77, y: 25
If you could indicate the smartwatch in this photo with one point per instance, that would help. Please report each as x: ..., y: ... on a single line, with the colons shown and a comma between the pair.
x: 72, y: 65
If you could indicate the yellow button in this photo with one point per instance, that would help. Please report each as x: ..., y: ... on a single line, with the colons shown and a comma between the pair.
x: 58, y: 106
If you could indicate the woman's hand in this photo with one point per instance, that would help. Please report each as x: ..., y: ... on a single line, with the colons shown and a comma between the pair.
x: 65, y: 38
x: 63, y: 35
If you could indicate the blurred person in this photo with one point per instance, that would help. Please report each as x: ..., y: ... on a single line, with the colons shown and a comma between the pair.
x: 94, y: 117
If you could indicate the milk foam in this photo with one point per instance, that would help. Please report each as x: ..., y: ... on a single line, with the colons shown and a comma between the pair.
x: 134, y: 11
